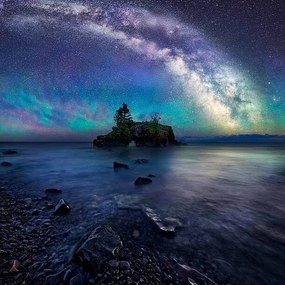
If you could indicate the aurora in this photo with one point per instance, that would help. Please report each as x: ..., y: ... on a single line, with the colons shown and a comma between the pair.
x: 67, y: 66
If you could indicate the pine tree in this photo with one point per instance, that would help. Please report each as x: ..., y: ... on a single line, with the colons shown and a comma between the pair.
x: 123, y: 116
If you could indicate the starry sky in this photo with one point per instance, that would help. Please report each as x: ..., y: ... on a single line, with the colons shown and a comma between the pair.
x: 208, y: 67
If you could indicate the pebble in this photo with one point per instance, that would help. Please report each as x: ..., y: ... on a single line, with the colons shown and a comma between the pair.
x: 124, y: 265
x: 113, y: 263
x: 15, y: 267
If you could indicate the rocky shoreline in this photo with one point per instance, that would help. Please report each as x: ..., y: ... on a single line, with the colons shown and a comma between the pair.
x: 126, y: 251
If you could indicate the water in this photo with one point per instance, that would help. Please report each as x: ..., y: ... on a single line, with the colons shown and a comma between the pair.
x: 230, y: 197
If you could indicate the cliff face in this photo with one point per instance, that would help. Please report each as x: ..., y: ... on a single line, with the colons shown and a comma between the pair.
x: 142, y: 133
x: 150, y: 134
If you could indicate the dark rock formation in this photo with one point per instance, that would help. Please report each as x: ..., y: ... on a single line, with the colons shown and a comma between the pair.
x: 10, y: 151
x: 6, y: 163
x: 62, y: 207
x: 108, y: 141
x: 142, y: 133
x: 53, y: 191
x: 150, y: 134
x: 117, y: 165
x: 151, y: 175
x: 102, y: 244
x: 143, y: 181
x: 166, y: 226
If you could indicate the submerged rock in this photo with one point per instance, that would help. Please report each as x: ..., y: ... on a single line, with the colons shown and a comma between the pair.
x: 101, y: 244
x: 10, y: 151
x: 6, y: 163
x: 117, y: 165
x: 193, y: 275
x: 141, y: 161
x: 166, y: 226
x: 143, y: 181
x: 53, y: 191
x: 151, y: 175
x: 62, y: 207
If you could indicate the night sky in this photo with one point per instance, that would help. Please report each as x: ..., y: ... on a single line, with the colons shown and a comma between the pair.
x: 208, y: 67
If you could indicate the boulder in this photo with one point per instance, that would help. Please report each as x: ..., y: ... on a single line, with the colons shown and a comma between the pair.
x: 53, y: 191
x: 117, y: 165
x: 10, y: 151
x: 193, y: 276
x: 166, y: 226
x: 124, y: 265
x: 102, y: 244
x: 62, y: 207
x: 143, y: 181
x: 6, y: 164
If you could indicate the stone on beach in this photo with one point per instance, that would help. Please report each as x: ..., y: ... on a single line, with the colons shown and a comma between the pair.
x: 166, y: 226
x: 193, y: 275
x: 62, y: 207
x: 15, y: 267
x: 99, y: 246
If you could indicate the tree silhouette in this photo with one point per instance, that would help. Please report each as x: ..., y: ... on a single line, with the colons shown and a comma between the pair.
x: 123, y: 116
x: 155, y: 118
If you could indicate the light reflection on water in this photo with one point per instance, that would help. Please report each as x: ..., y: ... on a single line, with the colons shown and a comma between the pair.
x: 231, y: 198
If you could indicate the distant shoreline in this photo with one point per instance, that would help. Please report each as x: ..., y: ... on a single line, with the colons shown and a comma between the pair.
x: 247, y: 138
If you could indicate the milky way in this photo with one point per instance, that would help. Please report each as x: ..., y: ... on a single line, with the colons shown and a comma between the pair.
x: 66, y: 67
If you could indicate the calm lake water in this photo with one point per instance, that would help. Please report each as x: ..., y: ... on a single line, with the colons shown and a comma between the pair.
x: 230, y: 197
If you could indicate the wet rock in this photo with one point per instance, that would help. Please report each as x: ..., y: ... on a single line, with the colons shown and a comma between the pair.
x: 62, y: 207
x: 6, y: 164
x: 67, y: 276
x: 53, y: 191
x: 10, y: 151
x: 50, y: 205
x: 101, y: 244
x: 28, y: 201
x: 56, y: 278
x: 35, y: 212
x: 143, y: 181
x: 166, y: 226
x: 78, y: 279
x: 151, y: 175
x: 117, y: 165
x: 113, y: 263
x: 136, y: 233
x: 193, y: 275
x: 124, y: 265
x: 15, y: 267
x: 141, y: 161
